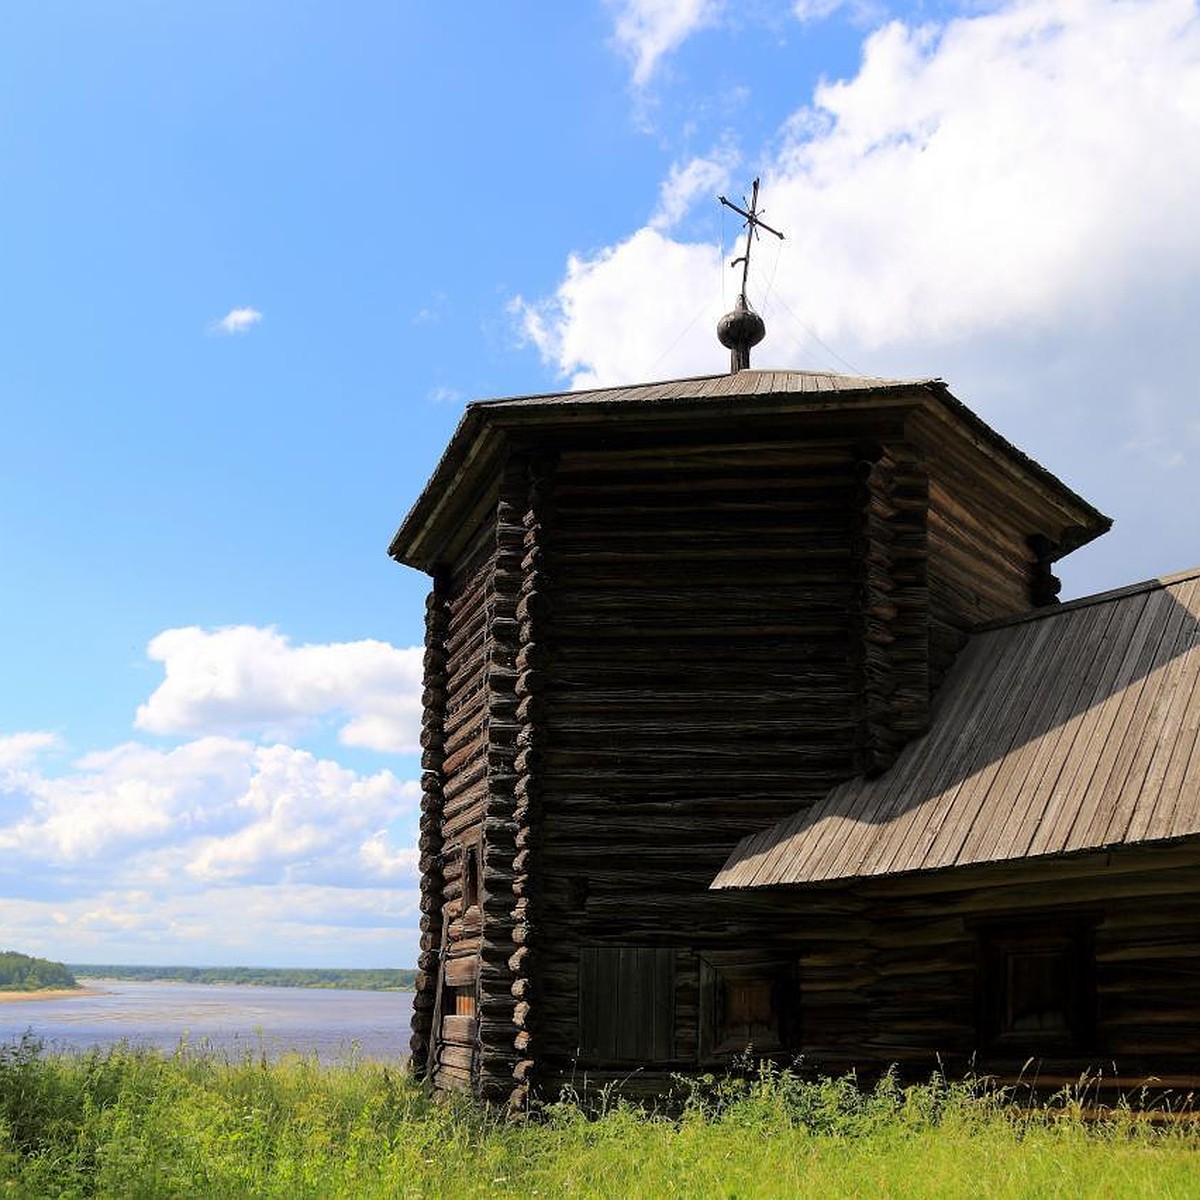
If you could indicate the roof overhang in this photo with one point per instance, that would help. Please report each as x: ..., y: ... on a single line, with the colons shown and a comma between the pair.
x: 1070, y: 730
x: 464, y: 482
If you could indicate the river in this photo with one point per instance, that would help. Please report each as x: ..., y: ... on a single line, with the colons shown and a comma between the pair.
x: 233, y: 1020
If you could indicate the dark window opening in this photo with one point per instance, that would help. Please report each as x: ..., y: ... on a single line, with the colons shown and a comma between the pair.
x: 747, y: 1003
x: 1038, y: 991
x: 1037, y: 987
x: 470, y: 875
x: 627, y: 1004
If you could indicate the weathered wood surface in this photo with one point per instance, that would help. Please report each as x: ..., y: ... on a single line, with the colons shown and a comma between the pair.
x: 533, y: 478
x: 465, y: 478
x: 703, y: 678
x: 454, y: 742
x: 426, y: 1000
x: 905, y: 990
x: 1077, y: 730
x: 675, y: 623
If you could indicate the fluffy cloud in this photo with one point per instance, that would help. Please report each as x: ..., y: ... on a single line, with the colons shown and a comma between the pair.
x: 996, y: 171
x: 141, y: 846
x: 127, y: 796
x: 278, y: 924
x: 1005, y: 199
x: 249, y: 680
x: 585, y: 328
x: 303, y: 818
x: 20, y: 749
x: 687, y: 182
x: 214, y: 809
x: 815, y: 10
x: 861, y: 11
x: 237, y: 320
x: 647, y: 30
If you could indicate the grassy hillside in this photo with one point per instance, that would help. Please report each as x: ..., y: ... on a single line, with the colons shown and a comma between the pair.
x: 23, y: 973
x: 127, y: 1123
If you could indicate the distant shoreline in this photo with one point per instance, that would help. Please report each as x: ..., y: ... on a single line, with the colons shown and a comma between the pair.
x: 369, y: 979
x: 11, y: 997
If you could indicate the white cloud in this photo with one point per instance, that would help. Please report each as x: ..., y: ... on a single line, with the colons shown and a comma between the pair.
x: 1005, y: 199
x: 444, y: 395
x: 380, y: 858
x: 816, y: 10
x: 301, y: 817
x: 247, y: 679
x: 647, y: 30
x: 861, y: 11
x: 276, y: 924
x: 125, y: 797
x: 686, y: 182
x: 988, y: 172
x: 585, y: 328
x: 237, y: 320
x: 214, y: 809
x: 142, y: 847
x: 139, y: 846
x: 20, y: 749
x: 434, y: 311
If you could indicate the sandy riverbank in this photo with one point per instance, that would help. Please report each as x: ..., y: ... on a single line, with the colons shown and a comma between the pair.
x: 48, y: 994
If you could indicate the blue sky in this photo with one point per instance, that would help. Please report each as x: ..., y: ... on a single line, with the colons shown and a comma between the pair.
x: 255, y: 258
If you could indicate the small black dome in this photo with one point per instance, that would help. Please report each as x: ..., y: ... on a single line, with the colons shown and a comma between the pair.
x: 739, y: 330
x: 742, y: 327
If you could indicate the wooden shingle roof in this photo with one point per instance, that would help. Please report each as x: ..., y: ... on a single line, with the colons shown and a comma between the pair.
x: 1076, y: 728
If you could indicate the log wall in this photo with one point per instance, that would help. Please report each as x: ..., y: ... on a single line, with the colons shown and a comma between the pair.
x: 732, y: 629
x: 456, y: 790
x: 988, y: 560
x: 429, y: 845
x: 906, y: 989
x: 654, y: 645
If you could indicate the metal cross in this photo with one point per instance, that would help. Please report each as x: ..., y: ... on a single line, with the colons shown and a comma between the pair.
x: 754, y: 222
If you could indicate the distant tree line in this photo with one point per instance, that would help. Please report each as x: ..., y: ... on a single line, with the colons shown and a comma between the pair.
x: 356, y: 979
x: 23, y: 973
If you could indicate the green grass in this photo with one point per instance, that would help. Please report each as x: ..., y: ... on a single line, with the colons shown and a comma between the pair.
x: 131, y: 1124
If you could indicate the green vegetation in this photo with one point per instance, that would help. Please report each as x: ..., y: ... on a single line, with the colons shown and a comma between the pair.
x: 125, y: 1123
x: 22, y: 973
x: 361, y: 980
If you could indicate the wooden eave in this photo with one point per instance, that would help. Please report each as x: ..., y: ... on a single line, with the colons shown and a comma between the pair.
x: 1069, y: 730
x: 1046, y: 504
x: 463, y: 483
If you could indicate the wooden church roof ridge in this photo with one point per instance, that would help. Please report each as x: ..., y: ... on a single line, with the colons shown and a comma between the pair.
x: 1074, y: 728
x: 475, y: 443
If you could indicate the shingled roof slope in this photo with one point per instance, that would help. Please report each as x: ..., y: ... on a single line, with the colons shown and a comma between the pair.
x: 1073, y: 729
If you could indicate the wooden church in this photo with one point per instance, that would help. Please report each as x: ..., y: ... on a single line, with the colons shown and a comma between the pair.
x: 752, y: 726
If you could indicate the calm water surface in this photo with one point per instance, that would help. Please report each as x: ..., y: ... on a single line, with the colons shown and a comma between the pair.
x: 235, y: 1020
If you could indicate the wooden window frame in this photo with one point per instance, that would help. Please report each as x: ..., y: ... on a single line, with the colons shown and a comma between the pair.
x: 722, y: 971
x: 1070, y: 942
x: 472, y: 874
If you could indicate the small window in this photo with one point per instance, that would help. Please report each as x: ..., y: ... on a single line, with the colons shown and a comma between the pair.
x: 471, y: 873
x: 460, y: 1001
x: 627, y: 1004
x: 1037, y: 988
x: 747, y: 1003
